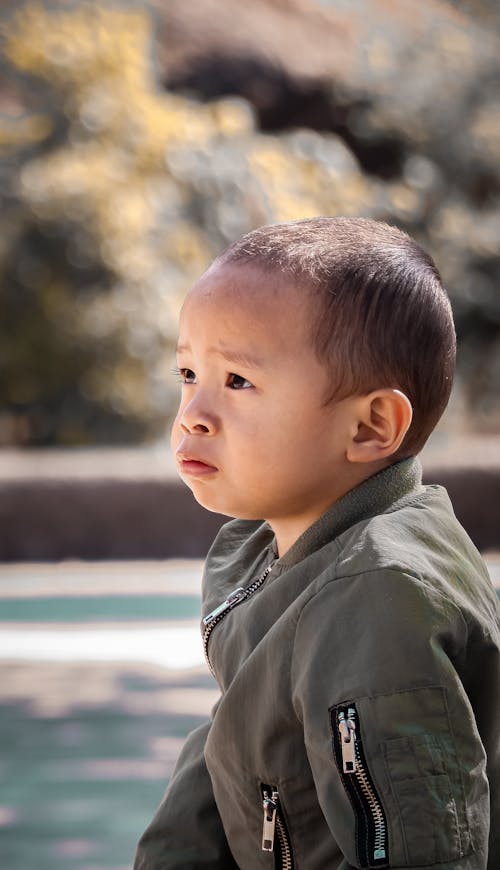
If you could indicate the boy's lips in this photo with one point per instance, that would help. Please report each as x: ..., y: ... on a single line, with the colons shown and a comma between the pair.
x: 193, y: 465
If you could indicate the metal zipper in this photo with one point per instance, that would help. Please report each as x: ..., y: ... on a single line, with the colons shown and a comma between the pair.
x: 371, y: 824
x: 274, y: 828
x: 218, y: 613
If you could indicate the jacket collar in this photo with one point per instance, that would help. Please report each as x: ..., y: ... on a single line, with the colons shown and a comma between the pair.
x: 374, y: 496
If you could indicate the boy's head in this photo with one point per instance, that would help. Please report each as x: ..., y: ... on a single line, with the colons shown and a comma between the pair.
x: 379, y: 314
x: 302, y: 351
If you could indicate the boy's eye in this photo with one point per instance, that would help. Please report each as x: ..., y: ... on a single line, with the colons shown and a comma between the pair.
x: 186, y: 376
x: 237, y: 382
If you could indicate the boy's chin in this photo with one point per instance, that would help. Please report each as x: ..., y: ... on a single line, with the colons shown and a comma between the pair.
x: 222, y: 506
x: 211, y: 504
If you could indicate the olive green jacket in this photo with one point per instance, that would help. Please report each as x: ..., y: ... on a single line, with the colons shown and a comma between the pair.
x: 359, y: 718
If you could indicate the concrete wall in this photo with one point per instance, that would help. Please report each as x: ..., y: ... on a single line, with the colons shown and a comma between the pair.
x: 130, y: 504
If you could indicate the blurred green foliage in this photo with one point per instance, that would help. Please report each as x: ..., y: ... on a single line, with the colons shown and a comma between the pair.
x: 117, y: 194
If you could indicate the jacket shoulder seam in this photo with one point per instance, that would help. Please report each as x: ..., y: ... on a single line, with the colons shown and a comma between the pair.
x: 358, y: 574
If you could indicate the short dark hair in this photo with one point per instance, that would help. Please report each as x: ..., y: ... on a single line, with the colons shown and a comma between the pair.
x: 383, y: 318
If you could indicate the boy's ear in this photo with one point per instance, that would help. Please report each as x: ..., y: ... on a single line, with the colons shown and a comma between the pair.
x: 383, y: 419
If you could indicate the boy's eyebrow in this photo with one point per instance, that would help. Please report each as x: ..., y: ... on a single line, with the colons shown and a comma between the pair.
x: 239, y: 357
x: 233, y: 356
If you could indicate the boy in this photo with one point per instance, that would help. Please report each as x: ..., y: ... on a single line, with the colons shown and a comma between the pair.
x: 348, y: 619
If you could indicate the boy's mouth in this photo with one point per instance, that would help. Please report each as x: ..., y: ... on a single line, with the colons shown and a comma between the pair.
x: 193, y: 467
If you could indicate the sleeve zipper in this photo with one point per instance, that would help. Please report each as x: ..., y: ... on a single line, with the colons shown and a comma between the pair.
x: 274, y: 830
x: 233, y: 599
x: 371, y: 824
x: 270, y: 807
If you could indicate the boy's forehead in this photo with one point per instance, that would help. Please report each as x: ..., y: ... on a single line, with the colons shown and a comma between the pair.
x: 248, y: 285
x: 245, y: 281
x: 240, y: 300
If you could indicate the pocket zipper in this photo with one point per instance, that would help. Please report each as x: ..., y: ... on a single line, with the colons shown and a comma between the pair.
x: 371, y: 824
x: 274, y: 828
x: 218, y: 613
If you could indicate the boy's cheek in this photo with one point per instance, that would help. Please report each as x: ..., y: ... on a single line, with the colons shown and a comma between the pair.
x: 175, y: 434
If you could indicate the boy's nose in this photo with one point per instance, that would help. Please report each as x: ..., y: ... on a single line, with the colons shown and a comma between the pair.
x: 194, y: 420
x: 190, y: 428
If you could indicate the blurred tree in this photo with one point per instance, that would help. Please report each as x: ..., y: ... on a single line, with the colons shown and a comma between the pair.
x: 116, y: 195
x: 93, y: 228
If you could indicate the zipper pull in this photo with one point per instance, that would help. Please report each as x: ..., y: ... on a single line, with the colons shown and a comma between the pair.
x: 270, y: 807
x: 347, y: 728
x: 234, y: 598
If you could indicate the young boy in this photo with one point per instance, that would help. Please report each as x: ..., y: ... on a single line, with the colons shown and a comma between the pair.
x: 348, y: 619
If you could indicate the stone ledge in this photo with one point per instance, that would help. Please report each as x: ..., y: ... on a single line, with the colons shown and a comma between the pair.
x: 129, y: 504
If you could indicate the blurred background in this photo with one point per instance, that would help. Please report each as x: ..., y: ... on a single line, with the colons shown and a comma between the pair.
x: 138, y: 139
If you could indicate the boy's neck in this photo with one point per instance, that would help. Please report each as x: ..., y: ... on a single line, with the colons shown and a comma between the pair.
x: 288, y: 530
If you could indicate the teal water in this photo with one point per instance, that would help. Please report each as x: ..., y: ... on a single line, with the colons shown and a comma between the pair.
x: 99, y: 608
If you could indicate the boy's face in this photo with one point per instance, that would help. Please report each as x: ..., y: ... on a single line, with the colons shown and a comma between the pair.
x: 253, y: 438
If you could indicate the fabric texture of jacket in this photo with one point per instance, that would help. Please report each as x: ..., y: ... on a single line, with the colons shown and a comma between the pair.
x: 359, y: 717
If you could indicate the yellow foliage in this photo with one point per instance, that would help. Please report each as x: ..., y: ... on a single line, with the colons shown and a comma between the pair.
x: 404, y: 199
x: 188, y: 247
x: 233, y: 117
x: 27, y: 130
x: 88, y: 41
x: 121, y: 127
x: 299, y: 187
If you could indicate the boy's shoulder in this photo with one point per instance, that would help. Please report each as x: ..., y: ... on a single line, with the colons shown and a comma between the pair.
x: 421, y: 540
x: 406, y: 533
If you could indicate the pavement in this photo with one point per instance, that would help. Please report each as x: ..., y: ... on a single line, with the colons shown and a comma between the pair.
x: 102, y: 677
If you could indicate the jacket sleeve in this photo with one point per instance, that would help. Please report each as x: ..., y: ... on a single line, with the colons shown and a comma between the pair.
x: 398, y: 763
x: 186, y: 832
